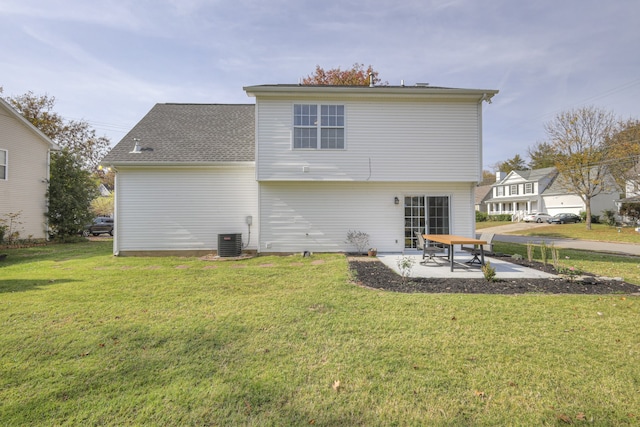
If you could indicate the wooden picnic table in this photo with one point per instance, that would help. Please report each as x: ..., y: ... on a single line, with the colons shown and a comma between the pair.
x: 451, y: 240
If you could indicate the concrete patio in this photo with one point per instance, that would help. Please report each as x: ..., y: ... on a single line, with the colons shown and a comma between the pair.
x: 441, y: 268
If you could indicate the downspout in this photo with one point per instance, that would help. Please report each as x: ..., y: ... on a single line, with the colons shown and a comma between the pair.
x: 116, y: 227
x: 48, y: 182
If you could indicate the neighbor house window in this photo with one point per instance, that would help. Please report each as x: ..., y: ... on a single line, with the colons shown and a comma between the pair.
x: 528, y: 188
x: 318, y: 127
x: 514, y: 189
x: 3, y: 164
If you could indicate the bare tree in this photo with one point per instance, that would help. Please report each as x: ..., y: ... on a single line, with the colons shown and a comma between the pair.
x: 579, y: 138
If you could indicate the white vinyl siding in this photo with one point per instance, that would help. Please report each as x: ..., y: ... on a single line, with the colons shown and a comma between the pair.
x: 316, y: 216
x: 3, y: 164
x: 436, y: 141
x: 169, y: 209
x: 24, y: 189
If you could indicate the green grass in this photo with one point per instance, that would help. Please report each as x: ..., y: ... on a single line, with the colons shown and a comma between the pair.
x: 609, y: 265
x: 598, y: 232
x: 91, y: 339
x: 487, y: 224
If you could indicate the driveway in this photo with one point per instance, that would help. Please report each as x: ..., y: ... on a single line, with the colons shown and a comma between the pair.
x: 587, y: 245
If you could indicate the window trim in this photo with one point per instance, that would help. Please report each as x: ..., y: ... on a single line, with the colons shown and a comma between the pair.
x: 319, y: 127
x: 6, y: 165
x: 511, y: 188
x: 528, y: 188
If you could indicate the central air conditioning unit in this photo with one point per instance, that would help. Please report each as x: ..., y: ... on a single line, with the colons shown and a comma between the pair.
x: 229, y: 245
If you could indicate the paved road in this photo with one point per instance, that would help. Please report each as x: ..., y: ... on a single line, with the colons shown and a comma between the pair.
x: 619, y: 248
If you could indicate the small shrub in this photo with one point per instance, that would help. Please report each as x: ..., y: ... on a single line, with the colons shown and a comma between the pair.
x: 517, y: 257
x: 9, y: 232
x: 530, y: 249
x: 543, y: 252
x: 489, y: 272
x: 609, y: 217
x: 481, y: 216
x: 570, y: 272
x: 405, y: 264
x: 555, y: 255
x: 501, y: 217
x: 359, y: 239
x: 595, y: 219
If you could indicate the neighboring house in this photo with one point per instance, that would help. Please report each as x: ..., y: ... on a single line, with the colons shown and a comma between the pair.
x: 482, y: 193
x: 24, y: 173
x: 307, y: 164
x: 104, y: 191
x: 519, y: 193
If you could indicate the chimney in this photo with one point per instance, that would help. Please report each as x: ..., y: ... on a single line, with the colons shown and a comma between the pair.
x: 500, y: 176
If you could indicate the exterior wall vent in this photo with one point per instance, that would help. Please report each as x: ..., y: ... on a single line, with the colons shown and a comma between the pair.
x: 229, y: 245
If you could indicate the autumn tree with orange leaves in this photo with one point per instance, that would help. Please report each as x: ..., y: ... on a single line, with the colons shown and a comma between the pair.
x: 357, y: 75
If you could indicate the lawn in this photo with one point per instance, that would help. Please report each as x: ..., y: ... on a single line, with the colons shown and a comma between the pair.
x: 90, y: 339
x: 598, y: 232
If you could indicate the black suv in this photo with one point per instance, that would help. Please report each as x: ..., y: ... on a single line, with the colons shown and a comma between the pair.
x: 100, y: 225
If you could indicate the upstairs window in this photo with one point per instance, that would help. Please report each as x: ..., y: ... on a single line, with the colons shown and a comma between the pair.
x: 3, y: 164
x: 514, y: 189
x: 500, y: 191
x: 318, y: 127
x: 528, y: 188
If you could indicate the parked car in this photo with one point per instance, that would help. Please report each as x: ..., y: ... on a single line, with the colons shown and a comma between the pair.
x: 537, y: 217
x: 100, y: 225
x: 564, y: 218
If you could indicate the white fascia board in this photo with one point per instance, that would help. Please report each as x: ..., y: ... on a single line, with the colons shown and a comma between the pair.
x: 411, y: 92
x: 177, y: 164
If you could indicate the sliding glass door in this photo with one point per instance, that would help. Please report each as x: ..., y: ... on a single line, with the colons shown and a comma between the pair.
x: 425, y: 214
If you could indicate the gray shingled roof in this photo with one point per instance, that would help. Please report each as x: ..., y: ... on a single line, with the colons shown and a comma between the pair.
x: 536, y: 174
x: 190, y: 133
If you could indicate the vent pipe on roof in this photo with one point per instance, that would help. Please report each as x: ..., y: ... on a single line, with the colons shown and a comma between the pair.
x: 370, y: 79
x: 136, y: 147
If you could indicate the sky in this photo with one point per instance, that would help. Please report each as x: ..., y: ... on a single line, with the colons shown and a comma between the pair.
x: 109, y: 62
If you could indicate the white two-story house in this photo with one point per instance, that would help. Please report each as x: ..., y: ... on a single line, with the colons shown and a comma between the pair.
x: 519, y: 193
x: 304, y: 166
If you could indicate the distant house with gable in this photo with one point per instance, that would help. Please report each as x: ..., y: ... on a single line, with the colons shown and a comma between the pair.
x: 519, y: 193
x: 24, y: 173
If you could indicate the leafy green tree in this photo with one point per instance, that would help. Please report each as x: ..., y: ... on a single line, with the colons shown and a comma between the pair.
x: 624, y: 153
x: 71, y: 190
x: 542, y: 155
x: 580, y: 138
x: 357, y: 75
x: 515, y: 164
x: 103, y: 205
x: 77, y: 136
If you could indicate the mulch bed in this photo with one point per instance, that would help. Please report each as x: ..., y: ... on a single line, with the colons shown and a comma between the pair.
x: 374, y: 274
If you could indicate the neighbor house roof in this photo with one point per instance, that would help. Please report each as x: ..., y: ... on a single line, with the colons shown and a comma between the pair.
x: 189, y: 134
x: 530, y: 174
x: 481, y: 193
